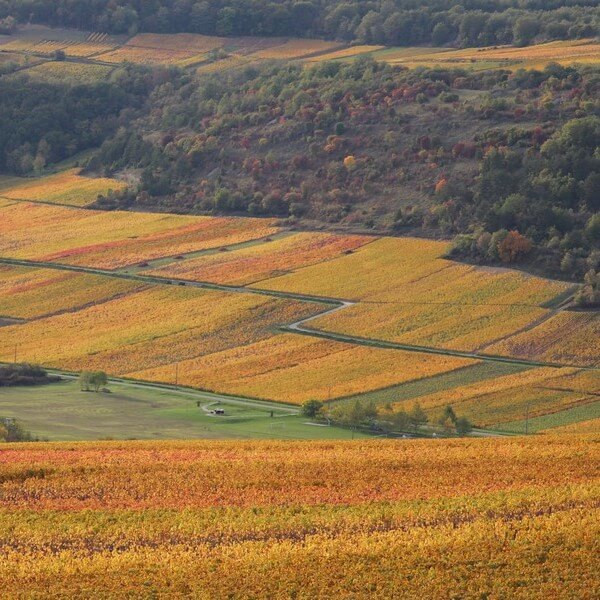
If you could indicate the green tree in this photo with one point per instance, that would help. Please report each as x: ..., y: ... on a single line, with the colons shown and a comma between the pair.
x: 463, y: 426
x: 99, y: 380
x: 448, y: 418
x: 85, y: 381
x: 417, y: 416
x: 311, y: 408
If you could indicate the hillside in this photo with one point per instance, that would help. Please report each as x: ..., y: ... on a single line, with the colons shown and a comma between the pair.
x: 462, y: 142
x: 246, y: 308
x: 365, y: 145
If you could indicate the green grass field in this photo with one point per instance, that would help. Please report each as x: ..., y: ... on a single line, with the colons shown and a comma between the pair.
x: 584, y: 412
x: 62, y: 412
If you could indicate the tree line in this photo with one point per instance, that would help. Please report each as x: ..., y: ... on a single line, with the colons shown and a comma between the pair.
x: 366, y: 415
x: 391, y: 22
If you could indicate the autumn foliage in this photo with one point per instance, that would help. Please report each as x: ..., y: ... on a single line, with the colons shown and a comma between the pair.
x: 306, y: 520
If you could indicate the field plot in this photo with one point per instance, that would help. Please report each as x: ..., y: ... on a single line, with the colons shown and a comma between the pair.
x: 45, y: 41
x: 591, y: 426
x: 116, y: 239
x: 255, y: 263
x: 156, y: 48
x: 537, y: 56
x: 53, y: 71
x: 291, y: 368
x: 568, y: 337
x: 186, y: 517
x: 222, y: 342
x: 409, y: 294
x: 344, y: 53
x: 15, y: 58
x: 505, y: 399
x: 297, y: 48
x: 68, y: 187
x: 146, y: 328
x: 33, y: 293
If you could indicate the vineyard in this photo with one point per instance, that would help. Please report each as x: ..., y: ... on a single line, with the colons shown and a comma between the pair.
x: 255, y: 519
x: 113, y: 239
x: 216, y: 53
x: 412, y: 319
x: 410, y: 294
x: 67, y: 187
x: 299, y: 300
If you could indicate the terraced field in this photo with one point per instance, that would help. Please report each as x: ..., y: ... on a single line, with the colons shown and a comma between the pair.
x: 186, y: 517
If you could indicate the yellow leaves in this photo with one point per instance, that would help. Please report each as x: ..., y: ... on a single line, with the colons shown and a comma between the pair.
x: 67, y: 187
x: 568, y: 337
x: 264, y: 260
x: 114, y: 239
x: 433, y: 518
x: 292, y: 368
x: 409, y: 294
x: 350, y: 163
x: 29, y: 293
x: 145, y: 328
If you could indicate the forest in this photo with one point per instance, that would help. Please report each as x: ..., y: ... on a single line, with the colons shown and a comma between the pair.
x: 392, y: 22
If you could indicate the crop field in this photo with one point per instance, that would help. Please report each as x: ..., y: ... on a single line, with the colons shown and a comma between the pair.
x: 53, y: 71
x: 222, y: 342
x: 232, y: 343
x: 18, y: 59
x: 67, y: 187
x: 27, y: 293
x: 536, y: 56
x: 45, y: 41
x: 147, y: 328
x: 345, y: 53
x: 263, y: 261
x: 291, y: 49
x: 568, y: 337
x: 291, y: 368
x: 591, y: 426
x: 114, y: 239
x: 505, y: 399
x: 255, y: 519
x: 409, y: 294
